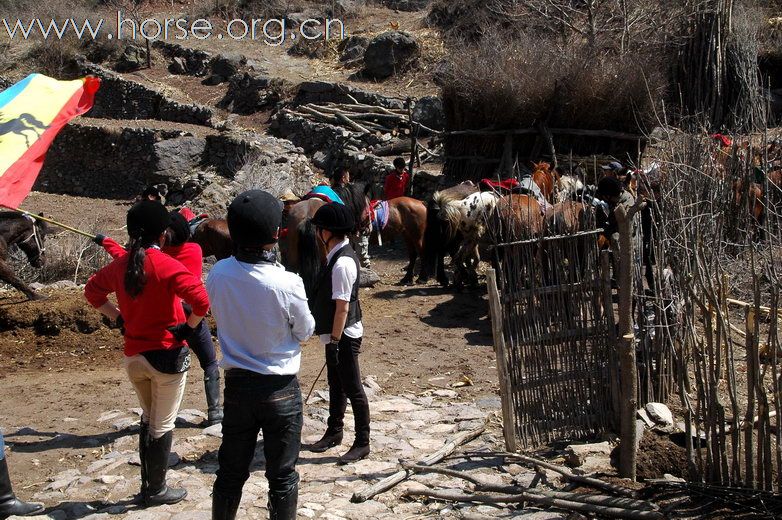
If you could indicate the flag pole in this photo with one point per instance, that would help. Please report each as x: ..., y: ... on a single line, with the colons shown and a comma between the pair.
x: 50, y: 221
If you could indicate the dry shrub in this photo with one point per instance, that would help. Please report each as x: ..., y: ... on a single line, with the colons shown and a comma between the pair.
x: 68, y: 257
x: 505, y: 82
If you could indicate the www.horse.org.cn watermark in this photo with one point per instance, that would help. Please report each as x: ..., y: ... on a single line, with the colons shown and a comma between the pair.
x: 271, y: 31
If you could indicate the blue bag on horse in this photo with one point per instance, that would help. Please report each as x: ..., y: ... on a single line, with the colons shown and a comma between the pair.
x: 325, y: 193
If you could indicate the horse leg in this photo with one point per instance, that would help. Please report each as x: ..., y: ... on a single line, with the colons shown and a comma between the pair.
x: 412, y: 255
x: 8, y: 276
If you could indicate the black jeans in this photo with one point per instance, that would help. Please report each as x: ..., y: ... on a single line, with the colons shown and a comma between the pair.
x: 202, y: 346
x: 344, y: 384
x: 253, y: 403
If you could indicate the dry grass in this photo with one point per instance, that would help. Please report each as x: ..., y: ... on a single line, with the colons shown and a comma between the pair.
x: 517, y: 82
x: 68, y: 257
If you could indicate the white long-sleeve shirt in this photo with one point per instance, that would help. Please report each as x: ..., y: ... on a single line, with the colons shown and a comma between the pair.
x: 262, y: 316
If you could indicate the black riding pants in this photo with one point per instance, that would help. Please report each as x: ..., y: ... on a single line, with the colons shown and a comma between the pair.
x: 260, y: 403
x: 345, y: 384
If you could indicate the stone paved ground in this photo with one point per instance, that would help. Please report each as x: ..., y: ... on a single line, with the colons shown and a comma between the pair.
x: 404, y: 427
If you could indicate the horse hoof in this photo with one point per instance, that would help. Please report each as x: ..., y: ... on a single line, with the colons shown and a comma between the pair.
x: 422, y: 281
x: 406, y: 281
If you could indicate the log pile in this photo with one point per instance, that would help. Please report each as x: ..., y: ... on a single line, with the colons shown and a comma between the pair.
x: 611, y: 501
x: 358, y: 117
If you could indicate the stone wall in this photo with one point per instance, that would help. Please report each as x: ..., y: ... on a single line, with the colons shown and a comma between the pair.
x: 316, y: 137
x: 118, y: 98
x: 110, y: 162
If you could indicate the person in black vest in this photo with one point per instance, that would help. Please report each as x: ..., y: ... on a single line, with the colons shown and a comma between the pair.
x: 337, y: 313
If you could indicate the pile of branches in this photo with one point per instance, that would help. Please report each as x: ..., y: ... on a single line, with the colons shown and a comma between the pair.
x: 613, y: 501
x: 365, y: 119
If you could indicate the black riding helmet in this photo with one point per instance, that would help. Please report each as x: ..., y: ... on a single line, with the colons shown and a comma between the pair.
x: 608, y: 187
x: 147, y: 219
x: 179, y: 229
x: 334, y: 217
x: 254, y: 218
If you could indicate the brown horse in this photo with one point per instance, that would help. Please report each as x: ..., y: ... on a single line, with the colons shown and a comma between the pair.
x: 214, y: 238
x: 28, y: 235
x: 517, y: 217
x: 546, y: 179
x: 566, y: 218
x: 301, y: 252
x: 753, y: 198
x: 406, y: 218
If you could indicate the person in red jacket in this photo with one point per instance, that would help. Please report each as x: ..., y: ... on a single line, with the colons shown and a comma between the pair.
x: 149, y: 286
x: 396, y: 181
x: 190, y: 255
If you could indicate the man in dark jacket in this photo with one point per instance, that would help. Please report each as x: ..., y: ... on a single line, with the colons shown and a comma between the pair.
x: 337, y: 313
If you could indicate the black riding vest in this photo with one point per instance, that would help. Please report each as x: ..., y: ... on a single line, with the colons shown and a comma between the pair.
x: 323, y: 306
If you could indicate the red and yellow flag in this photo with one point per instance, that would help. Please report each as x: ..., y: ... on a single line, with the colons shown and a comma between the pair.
x: 32, y: 112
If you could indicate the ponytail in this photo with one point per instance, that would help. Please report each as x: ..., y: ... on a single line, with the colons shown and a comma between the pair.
x: 135, y: 276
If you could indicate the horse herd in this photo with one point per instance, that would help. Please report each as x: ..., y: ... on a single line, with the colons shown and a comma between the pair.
x: 460, y: 222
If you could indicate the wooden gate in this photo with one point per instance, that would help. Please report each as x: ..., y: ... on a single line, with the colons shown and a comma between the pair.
x: 554, y: 353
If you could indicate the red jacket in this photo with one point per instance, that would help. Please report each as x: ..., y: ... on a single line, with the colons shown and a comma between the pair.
x: 396, y: 185
x: 189, y: 254
x: 148, y: 316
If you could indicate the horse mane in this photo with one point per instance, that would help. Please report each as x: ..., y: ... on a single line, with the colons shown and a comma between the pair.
x: 354, y: 197
x: 569, y: 185
x: 443, y: 198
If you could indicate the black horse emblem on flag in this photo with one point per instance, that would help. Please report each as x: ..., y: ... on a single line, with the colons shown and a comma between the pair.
x: 24, y: 123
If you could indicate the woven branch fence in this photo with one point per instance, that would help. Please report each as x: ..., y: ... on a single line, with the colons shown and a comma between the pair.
x: 552, y: 338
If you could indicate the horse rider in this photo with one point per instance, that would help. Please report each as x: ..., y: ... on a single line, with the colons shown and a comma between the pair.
x: 9, y: 504
x: 359, y: 239
x: 335, y: 305
x: 189, y: 254
x: 396, y: 181
x: 150, y: 287
x: 261, y: 357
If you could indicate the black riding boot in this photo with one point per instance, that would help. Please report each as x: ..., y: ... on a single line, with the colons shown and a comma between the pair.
x: 283, y: 507
x: 224, y: 507
x: 9, y: 504
x: 158, y: 493
x: 212, y: 389
x: 330, y: 439
x: 143, y: 438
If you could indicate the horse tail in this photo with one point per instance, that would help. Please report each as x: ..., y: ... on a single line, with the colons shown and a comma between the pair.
x: 309, y: 261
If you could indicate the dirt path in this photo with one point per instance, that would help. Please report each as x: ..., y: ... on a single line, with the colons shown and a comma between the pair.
x: 417, y: 339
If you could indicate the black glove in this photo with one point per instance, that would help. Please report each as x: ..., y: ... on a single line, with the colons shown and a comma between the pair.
x: 99, y: 239
x: 332, y: 354
x: 182, y: 331
x: 120, y: 323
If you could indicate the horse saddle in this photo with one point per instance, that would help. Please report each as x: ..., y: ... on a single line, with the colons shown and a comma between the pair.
x: 378, y: 210
x: 197, y: 221
x: 503, y: 187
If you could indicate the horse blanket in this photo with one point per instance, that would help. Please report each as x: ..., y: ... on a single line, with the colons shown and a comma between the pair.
x: 503, y: 187
x: 324, y: 193
x: 379, y: 213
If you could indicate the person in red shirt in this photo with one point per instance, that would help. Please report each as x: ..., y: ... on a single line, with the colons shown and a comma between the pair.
x: 189, y: 255
x: 396, y: 181
x: 149, y: 286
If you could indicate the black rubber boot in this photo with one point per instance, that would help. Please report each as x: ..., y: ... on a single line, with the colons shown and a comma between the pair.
x: 224, y: 507
x: 143, y: 439
x: 212, y: 389
x: 330, y: 439
x: 283, y: 507
x: 354, y: 454
x: 158, y: 493
x: 9, y: 504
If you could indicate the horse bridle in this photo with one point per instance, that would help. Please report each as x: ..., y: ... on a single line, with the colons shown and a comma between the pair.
x: 34, y: 235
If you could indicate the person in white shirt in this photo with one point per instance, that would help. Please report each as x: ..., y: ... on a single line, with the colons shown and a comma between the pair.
x: 262, y: 317
x: 337, y: 313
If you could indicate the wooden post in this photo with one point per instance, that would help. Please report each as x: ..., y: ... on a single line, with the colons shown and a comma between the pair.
x: 608, y: 310
x: 495, y: 308
x: 413, y: 144
x: 629, y: 371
